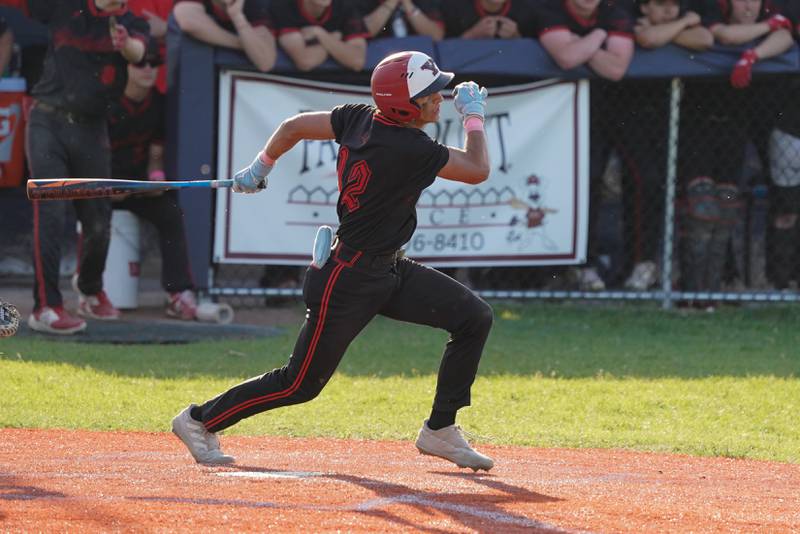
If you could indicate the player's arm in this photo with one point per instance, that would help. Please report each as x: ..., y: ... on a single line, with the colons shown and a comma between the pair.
x: 612, y: 61
x: 155, y: 162
x: 569, y: 50
x: 351, y: 53
x: 734, y: 34
x: 422, y: 23
x: 304, y: 56
x: 656, y: 35
x: 311, y: 125
x: 470, y: 165
x: 379, y: 17
x: 695, y: 38
x: 193, y: 20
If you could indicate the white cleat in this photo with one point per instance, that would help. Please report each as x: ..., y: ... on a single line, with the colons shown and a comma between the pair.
x: 203, y: 444
x: 448, y: 443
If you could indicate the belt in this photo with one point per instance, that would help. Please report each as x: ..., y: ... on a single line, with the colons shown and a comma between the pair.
x: 71, y: 116
x: 351, y: 256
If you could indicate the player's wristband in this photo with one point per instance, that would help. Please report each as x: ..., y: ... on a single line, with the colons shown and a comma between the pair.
x: 265, y: 159
x: 157, y: 176
x: 473, y: 123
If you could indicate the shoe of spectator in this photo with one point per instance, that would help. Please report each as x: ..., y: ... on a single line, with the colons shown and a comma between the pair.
x: 643, y: 277
x: 202, y: 444
x: 182, y: 305
x: 448, y: 443
x: 95, y: 306
x: 588, y: 279
x: 55, y: 321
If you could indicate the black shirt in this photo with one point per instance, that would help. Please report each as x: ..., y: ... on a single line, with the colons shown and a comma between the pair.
x: 429, y: 7
x: 132, y: 128
x: 713, y: 12
x: 610, y: 16
x: 461, y: 15
x: 255, y: 11
x: 82, y: 72
x: 341, y: 16
x: 383, y: 168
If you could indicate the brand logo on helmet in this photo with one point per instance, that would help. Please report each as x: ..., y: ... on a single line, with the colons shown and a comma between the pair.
x: 431, y: 66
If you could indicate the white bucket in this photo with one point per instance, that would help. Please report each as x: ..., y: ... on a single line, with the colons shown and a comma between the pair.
x: 121, y: 277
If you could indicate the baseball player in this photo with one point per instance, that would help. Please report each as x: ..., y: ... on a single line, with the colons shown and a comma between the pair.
x: 385, y: 161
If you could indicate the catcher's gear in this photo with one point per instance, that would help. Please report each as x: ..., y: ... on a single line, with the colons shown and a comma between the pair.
x: 400, y: 78
x: 9, y: 319
x: 470, y: 100
x: 252, y: 178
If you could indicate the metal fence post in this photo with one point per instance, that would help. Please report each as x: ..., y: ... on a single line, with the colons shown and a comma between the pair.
x: 669, y: 192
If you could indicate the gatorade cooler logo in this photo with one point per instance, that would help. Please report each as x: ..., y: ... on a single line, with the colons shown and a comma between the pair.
x: 9, y: 118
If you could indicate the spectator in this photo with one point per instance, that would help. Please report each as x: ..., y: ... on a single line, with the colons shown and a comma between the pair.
x: 136, y: 129
x: 156, y: 13
x: 489, y: 19
x: 400, y: 18
x: 311, y: 31
x: 665, y: 21
x: 67, y: 136
x: 643, y: 128
x: 238, y: 24
x: 595, y: 33
x: 6, y: 45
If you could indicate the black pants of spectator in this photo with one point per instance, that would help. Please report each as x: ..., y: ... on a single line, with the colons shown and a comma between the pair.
x: 164, y: 212
x: 342, y: 298
x: 59, y: 146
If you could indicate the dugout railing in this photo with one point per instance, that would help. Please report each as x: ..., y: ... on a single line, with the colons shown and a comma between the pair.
x: 696, y: 126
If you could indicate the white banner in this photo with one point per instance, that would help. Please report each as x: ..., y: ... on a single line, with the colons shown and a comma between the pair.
x: 531, y: 211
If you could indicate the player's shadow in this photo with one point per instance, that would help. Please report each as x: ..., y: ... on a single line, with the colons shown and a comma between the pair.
x: 474, y: 510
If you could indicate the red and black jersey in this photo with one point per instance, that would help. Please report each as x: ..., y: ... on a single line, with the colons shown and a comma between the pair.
x: 132, y: 128
x: 461, y: 15
x: 610, y: 16
x: 429, y: 7
x: 255, y: 11
x: 340, y: 16
x: 82, y: 72
x: 383, y: 168
x: 713, y: 12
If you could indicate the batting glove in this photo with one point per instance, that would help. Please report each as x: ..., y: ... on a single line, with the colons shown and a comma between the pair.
x: 470, y: 99
x: 252, y: 178
x: 743, y: 71
x: 779, y: 22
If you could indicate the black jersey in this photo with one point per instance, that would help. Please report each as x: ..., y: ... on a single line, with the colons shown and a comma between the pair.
x: 429, y: 7
x: 255, y: 11
x: 383, y: 168
x: 132, y: 128
x: 341, y: 16
x: 713, y: 12
x: 610, y: 16
x: 461, y: 15
x: 82, y: 72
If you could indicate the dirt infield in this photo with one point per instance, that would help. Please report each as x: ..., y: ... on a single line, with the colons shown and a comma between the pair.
x: 54, y: 480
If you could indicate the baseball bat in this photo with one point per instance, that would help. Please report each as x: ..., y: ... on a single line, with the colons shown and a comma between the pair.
x: 78, y: 188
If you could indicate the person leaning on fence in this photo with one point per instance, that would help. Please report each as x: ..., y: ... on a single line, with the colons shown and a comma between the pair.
x: 136, y: 129
x: 661, y: 22
x: 385, y: 162
x: 238, y: 24
x: 489, y: 19
x: 401, y: 18
x: 312, y: 31
x: 67, y: 136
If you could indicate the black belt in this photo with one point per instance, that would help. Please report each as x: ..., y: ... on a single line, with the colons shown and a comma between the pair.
x: 71, y: 116
x: 352, y: 256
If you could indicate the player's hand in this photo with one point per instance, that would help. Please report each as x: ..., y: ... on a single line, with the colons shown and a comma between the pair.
x: 485, y: 28
x: 743, y: 70
x: 158, y: 26
x: 234, y: 8
x: 119, y: 35
x: 779, y: 22
x: 470, y: 99
x: 506, y: 28
x: 692, y: 19
x: 252, y: 178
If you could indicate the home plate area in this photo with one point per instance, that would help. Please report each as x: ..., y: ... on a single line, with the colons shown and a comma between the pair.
x: 55, y: 480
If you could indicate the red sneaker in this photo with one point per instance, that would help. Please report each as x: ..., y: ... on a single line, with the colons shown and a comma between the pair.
x: 182, y: 305
x: 97, y: 307
x: 55, y: 321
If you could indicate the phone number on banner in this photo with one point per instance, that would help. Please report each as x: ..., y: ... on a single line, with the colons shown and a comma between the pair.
x: 440, y: 242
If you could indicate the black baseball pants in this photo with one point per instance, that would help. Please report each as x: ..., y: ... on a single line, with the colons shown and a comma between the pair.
x: 58, y: 147
x: 342, y: 297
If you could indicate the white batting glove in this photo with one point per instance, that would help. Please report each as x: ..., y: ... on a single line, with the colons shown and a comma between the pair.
x: 252, y: 178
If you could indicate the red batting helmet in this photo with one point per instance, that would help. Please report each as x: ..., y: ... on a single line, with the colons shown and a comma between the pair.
x: 400, y: 78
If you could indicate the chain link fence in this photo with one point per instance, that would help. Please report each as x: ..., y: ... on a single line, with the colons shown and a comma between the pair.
x: 694, y: 200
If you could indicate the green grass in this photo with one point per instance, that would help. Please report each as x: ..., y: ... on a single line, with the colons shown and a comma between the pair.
x: 552, y: 375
